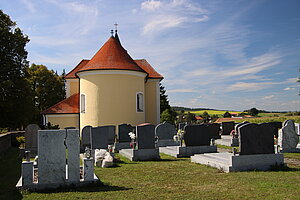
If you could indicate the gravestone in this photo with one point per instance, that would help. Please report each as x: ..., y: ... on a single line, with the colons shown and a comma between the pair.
x: 124, y: 129
x: 145, y: 137
x: 236, y: 128
x: 73, y: 159
x: 227, y: 127
x: 31, y: 135
x: 111, y: 134
x: 256, y: 139
x: 297, y: 126
x: 182, y: 125
x: 197, y: 135
x: 288, y: 138
x: 52, y: 157
x: 165, y: 130
x: 214, y: 130
x: 99, y: 137
x: 277, y: 125
x: 86, y: 136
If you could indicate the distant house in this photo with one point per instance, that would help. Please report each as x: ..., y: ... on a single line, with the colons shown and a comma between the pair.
x: 109, y: 89
x: 198, y: 118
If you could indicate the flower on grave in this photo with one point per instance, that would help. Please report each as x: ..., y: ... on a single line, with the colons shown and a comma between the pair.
x: 110, y: 148
x: 132, y: 135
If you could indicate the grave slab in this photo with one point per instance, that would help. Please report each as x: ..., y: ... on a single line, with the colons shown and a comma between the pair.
x: 140, y: 154
x: 228, y: 162
x: 180, y: 152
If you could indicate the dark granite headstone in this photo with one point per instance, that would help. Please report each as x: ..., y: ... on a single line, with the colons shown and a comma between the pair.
x: 124, y: 129
x: 111, y: 133
x: 85, y: 136
x: 277, y: 125
x: 214, y: 130
x: 257, y: 139
x: 99, y: 137
x: 165, y: 131
x: 239, y: 125
x: 197, y: 135
x: 31, y: 137
x: 145, y: 136
x: 227, y: 127
x: 71, y: 127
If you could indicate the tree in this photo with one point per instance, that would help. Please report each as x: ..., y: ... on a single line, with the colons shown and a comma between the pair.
x: 205, y: 116
x: 169, y: 116
x: 164, y: 102
x: 226, y: 115
x: 190, y: 117
x: 47, y: 88
x: 15, y: 102
x: 253, y: 112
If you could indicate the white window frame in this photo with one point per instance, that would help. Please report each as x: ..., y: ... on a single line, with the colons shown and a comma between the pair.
x: 82, y: 103
x: 139, y: 98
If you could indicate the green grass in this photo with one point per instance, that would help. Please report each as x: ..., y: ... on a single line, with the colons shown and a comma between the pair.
x: 296, y: 119
x: 170, y: 179
x: 292, y: 155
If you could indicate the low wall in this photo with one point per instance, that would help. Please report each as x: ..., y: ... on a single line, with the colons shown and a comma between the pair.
x: 9, y: 139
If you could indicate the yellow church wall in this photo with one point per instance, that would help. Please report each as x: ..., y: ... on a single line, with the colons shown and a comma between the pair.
x: 72, y: 87
x: 63, y: 120
x: 110, y: 97
x: 152, y: 102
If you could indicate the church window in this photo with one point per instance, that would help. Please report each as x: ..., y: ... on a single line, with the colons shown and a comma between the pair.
x: 139, y: 102
x: 82, y: 103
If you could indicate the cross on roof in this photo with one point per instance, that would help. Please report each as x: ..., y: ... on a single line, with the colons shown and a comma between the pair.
x: 116, y: 26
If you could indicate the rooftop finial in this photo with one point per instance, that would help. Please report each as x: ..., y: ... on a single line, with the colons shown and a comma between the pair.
x: 112, y: 32
x: 116, y: 27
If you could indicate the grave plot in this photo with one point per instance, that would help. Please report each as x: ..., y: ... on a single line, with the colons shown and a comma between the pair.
x: 165, y: 133
x: 143, y: 145
x: 288, y: 138
x: 197, y: 139
x: 123, y: 139
x: 256, y: 151
x: 58, y: 163
x: 31, y: 143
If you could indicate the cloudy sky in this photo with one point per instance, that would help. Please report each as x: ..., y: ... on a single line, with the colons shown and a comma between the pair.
x: 233, y: 54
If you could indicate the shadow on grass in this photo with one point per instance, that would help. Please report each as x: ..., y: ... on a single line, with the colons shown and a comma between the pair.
x: 100, y: 187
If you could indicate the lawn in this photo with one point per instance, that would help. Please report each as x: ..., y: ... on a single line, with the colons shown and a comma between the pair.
x: 167, y: 179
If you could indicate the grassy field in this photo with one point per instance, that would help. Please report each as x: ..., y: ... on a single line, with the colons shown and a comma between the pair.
x: 169, y: 178
x: 211, y: 112
x: 296, y: 119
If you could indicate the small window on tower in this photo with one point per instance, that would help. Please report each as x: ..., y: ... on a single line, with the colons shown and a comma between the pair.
x: 139, y: 102
x: 82, y: 103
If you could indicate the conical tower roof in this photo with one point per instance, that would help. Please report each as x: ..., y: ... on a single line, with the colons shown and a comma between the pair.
x: 111, y: 56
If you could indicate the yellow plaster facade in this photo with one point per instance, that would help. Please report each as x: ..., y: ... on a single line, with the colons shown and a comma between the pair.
x: 72, y: 87
x: 63, y: 120
x: 110, y: 97
x: 152, y: 100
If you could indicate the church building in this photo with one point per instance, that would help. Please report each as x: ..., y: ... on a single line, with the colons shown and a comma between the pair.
x: 109, y: 89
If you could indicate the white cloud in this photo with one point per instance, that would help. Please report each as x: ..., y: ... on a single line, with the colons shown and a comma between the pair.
x: 161, y: 23
x: 268, y: 97
x: 181, y: 90
x: 289, y: 88
x: 150, y: 5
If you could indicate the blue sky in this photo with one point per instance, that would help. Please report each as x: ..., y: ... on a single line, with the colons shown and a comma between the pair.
x: 233, y: 54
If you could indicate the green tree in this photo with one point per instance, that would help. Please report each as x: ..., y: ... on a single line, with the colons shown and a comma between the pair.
x: 169, y: 116
x: 190, y: 117
x: 226, y: 115
x: 253, y: 112
x: 164, y: 102
x: 47, y: 88
x: 15, y: 102
x: 205, y: 116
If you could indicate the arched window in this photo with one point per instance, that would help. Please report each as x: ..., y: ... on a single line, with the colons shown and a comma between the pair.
x: 139, y: 102
x: 82, y: 103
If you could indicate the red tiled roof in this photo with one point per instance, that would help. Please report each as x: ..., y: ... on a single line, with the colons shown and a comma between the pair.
x: 71, y: 74
x: 111, y: 56
x: 66, y: 106
x: 148, y: 68
x: 198, y: 118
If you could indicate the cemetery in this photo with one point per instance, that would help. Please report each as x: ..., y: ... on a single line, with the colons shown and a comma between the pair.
x: 105, y: 129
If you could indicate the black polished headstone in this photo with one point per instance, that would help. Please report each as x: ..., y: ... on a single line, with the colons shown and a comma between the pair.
x: 99, y: 137
x: 257, y: 139
x: 165, y: 131
x: 214, y: 130
x: 124, y: 129
x: 239, y: 125
x: 277, y: 125
x: 197, y: 135
x: 145, y: 136
x: 227, y: 127
x: 85, y: 136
